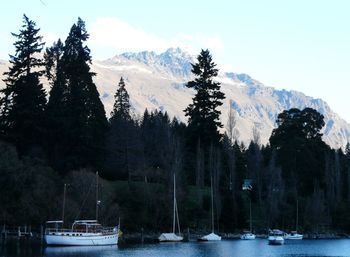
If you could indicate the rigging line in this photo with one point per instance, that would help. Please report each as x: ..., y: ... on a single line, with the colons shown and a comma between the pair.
x: 86, y: 197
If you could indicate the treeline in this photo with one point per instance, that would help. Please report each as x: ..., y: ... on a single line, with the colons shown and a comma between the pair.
x: 64, y: 137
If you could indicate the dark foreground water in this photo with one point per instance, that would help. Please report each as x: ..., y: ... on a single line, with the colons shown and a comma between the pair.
x: 225, y: 248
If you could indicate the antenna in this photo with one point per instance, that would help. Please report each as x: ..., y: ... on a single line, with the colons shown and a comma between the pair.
x: 64, y: 202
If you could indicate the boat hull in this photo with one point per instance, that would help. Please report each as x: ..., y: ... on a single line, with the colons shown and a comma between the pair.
x: 294, y: 237
x: 276, y: 240
x: 248, y: 237
x: 210, y: 237
x: 82, y: 239
x: 170, y: 237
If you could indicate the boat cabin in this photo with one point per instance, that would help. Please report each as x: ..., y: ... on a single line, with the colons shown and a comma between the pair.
x: 86, y: 226
x: 54, y: 225
x: 276, y: 232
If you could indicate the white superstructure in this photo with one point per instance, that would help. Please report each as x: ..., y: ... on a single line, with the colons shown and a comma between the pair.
x: 247, y: 235
x: 83, y: 232
x: 293, y: 235
x: 276, y: 237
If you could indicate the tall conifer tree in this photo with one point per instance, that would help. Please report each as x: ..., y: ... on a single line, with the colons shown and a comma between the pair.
x: 56, y: 111
x: 122, y: 137
x: 23, y: 99
x: 86, y: 114
x: 202, y: 113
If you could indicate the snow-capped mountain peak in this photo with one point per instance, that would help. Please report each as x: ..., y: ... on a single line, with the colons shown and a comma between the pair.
x: 157, y: 81
x: 173, y: 61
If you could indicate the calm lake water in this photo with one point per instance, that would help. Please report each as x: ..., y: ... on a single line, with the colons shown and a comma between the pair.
x: 225, y: 248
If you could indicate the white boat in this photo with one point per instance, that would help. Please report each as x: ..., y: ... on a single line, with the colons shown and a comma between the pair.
x: 82, y: 232
x: 293, y: 235
x: 212, y: 236
x: 247, y: 235
x: 276, y: 237
x: 172, y: 237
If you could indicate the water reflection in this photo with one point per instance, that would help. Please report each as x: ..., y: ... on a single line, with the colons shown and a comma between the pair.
x: 79, y: 251
x: 225, y: 248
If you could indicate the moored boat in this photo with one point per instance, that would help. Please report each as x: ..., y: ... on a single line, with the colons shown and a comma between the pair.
x: 212, y: 236
x: 247, y: 235
x: 276, y: 237
x: 293, y: 235
x: 172, y: 237
x: 82, y: 232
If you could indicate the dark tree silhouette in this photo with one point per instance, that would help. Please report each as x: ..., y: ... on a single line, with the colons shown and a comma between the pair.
x: 87, y: 122
x: 202, y: 113
x: 23, y: 99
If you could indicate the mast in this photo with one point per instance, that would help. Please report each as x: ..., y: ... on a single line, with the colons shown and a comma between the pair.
x: 64, y: 202
x: 174, y: 200
x: 250, y: 214
x: 97, y: 201
x: 297, y: 218
x: 212, y: 204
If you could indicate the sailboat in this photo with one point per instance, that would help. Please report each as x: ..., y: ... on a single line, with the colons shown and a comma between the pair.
x: 82, y: 232
x: 212, y: 236
x: 248, y: 235
x: 294, y: 235
x: 172, y: 237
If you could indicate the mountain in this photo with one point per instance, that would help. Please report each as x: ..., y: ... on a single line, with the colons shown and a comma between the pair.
x: 157, y: 81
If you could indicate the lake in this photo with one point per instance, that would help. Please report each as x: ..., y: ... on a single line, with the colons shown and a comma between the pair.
x: 225, y: 248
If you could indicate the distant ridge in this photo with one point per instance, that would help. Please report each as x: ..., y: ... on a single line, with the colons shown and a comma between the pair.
x: 157, y: 81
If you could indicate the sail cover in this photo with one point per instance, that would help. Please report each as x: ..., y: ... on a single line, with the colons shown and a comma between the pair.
x: 169, y: 237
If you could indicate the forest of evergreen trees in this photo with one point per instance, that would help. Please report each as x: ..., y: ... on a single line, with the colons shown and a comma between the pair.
x: 48, y: 139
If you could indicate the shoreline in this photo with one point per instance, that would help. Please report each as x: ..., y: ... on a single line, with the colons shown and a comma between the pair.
x: 152, y: 237
x: 149, y: 238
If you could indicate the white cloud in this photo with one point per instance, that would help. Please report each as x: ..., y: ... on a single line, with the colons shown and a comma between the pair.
x: 113, y: 33
x: 49, y: 38
x: 121, y: 36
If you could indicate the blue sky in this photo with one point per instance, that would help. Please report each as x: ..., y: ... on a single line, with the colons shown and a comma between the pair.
x: 295, y: 44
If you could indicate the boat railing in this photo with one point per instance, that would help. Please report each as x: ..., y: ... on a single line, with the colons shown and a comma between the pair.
x: 103, y: 230
x: 57, y: 230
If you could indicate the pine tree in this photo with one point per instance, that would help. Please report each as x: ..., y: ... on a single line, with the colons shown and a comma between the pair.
x: 87, y: 122
x: 121, y: 136
x: 24, y: 99
x: 121, y: 106
x: 202, y: 113
x: 56, y: 111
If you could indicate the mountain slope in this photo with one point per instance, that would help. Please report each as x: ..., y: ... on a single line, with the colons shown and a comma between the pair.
x: 158, y: 81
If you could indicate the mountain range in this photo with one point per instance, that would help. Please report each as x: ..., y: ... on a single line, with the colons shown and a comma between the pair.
x: 158, y: 81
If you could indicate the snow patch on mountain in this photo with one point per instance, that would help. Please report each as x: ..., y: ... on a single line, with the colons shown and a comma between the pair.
x: 158, y: 81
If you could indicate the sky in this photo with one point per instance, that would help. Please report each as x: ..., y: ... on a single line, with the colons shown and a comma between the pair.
x: 301, y: 45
